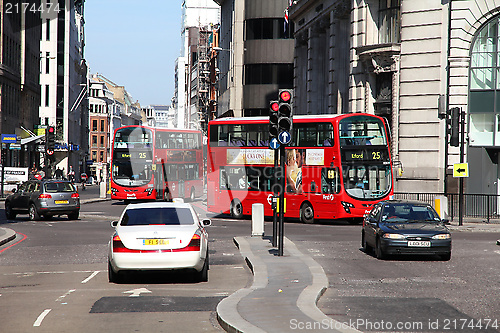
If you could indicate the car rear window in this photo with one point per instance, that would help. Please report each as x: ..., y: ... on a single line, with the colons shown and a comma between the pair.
x: 59, y: 187
x: 155, y: 216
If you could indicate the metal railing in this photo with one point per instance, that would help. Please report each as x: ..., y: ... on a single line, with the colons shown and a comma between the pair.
x: 481, y: 206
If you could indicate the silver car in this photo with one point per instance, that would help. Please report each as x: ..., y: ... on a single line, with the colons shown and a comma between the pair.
x: 45, y: 198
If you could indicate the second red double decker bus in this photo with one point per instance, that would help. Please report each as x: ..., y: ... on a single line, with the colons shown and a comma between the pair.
x: 337, y: 166
x: 150, y: 163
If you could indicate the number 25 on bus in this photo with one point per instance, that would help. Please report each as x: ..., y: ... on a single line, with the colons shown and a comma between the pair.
x: 337, y: 166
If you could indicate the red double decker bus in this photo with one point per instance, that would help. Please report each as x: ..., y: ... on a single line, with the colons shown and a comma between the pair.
x: 337, y: 166
x: 150, y: 163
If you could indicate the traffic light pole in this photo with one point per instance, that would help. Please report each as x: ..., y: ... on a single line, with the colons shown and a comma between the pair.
x: 282, y: 201
x: 273, y: 203
x: 462, y: 160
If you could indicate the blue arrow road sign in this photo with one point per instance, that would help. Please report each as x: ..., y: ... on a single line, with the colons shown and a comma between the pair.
x: 284, y: 137
x: 274, y: 144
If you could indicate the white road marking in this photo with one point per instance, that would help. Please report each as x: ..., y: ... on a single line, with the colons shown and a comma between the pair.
x: 90, y: 277
x: 60, y: 298
x: 498, y: 252
x: 136, y: 292
x: 40, y: 318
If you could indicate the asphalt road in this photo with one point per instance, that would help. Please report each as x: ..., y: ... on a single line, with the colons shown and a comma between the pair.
x: 55, y: 280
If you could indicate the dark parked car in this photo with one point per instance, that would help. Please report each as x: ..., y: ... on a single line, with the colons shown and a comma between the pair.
x: 405, y: 227
x: 43, y: 198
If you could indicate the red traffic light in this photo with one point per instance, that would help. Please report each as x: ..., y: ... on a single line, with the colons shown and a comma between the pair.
x: 51, y: 129
x: 285, y: 96
x: 275, y: 106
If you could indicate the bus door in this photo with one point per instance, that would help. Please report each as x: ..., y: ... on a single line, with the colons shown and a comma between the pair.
x: 158, y: 179
x: 182, y: 177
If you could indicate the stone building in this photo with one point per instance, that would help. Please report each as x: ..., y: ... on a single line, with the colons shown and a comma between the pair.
x: 408, y: 61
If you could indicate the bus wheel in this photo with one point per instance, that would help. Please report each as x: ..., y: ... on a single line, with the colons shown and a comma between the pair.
x: 236, y: 209
x: 306, y: 213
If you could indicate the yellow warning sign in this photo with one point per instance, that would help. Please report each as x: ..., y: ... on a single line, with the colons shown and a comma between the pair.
x: 461, y: 170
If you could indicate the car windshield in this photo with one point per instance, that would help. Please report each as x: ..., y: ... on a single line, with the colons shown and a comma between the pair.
x: 409, y: 213
x: 158, y: 216
x: 59, y: 187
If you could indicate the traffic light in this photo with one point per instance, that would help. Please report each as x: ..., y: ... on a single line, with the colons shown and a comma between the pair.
x: 454, y: 126
x: 285, y: 111
x: 50, y: 140
x: 273, y: 119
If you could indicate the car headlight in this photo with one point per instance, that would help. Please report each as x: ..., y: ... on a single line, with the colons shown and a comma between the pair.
x: 441, y: 236
x: 393, y: 236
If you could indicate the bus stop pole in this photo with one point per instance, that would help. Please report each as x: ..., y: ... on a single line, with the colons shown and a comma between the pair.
x: 282, y: 201
x: 462, y: 160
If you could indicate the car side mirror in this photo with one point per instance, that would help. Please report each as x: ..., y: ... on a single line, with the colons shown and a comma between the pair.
x: 445, y: 221
x: 372, y: 220
x: 114, y: 224
x: 14, y: 190
x: 206, y: 222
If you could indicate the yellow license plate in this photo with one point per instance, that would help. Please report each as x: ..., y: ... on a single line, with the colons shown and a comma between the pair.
x: 155, y: 242
x: 59, y: 202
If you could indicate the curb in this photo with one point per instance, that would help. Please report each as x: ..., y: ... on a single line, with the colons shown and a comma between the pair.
x: 10, y: 235
x: 227, y: 313
x: 308, y: 299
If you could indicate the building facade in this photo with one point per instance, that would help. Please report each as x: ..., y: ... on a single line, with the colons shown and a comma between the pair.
x: 19, y: 80
x: 410, y: 62
x: 63, y: 80
x: 198, y: 18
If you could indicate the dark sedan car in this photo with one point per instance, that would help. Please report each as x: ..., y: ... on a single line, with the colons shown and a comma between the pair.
x: 405, y: 227
x: 43, y: 198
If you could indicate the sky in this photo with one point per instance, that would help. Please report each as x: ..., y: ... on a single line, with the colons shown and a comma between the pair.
x: 135, y: 44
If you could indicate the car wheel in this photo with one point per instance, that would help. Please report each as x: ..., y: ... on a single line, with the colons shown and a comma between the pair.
x: 33, y: 214
x: 378, y: 251
x: 306, y: 213
x: 367, y: 248
x: 113, y: 276
x: 9, y: 214
x: 202, y: 276
x: 74, y: 216
x: 446, y: 257
x: 236, y: 209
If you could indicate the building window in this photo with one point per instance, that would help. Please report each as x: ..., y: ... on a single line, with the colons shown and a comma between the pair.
x: 265, y: 28
x: 47, y: 30
x: 94, y: 155
x: 47, y: 91
x: 484, y: 87
x: 47, y: 62
x: 94, y: 141
x: 101, y: 156
x: 102, y: 140
x: 280, y: 74
x: 102, y: 126
x: 94, y: 125
x: 389, y: 21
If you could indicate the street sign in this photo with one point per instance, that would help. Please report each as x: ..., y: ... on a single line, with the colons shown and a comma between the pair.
x: 274, y: 144
x: 285, y: 137
x: 9, y: 138
x: 15, y: 146
x: 461, y: 170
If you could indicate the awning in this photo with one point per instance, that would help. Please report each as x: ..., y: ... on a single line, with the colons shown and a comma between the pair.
x: 31, y: 139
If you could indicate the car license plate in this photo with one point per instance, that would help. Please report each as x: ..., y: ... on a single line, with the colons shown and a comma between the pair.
x: 61, y: 202
x: 155, y: 242
x: 419, y: 243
